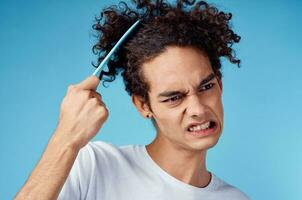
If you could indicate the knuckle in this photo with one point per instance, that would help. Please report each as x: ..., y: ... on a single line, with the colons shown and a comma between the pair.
x: 94, y: 101
x: 72, y: 88
x: 64, y: 101
x: 102, y: 110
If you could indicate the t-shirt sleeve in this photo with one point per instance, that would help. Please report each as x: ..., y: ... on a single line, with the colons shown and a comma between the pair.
x: 73, y: 187
x: 91, y: 172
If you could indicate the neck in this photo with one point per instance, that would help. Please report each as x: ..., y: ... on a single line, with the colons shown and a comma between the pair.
x: 186, y: 165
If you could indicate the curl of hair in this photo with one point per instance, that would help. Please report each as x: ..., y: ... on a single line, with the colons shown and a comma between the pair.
x: 187, y: 23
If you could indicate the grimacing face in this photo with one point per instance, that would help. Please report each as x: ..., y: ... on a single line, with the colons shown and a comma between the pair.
x: 183, y: 90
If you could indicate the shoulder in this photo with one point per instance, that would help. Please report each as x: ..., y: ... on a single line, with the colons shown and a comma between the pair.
x: 92, y: 156
x: 93, y: 151
x: 89, y: 167
x: 104, y: 154
x: 98, y: 147
x: 228, y: 191
x: 98, y: 165
x: 97, y: 150
x: 105, y: 149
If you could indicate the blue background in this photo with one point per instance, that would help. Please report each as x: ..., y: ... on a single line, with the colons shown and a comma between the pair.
x: 46, y: 45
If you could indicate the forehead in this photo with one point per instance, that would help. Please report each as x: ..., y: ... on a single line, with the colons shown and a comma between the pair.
x: 176, y: 68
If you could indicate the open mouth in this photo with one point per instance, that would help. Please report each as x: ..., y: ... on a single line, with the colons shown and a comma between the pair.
x: 207, y: 127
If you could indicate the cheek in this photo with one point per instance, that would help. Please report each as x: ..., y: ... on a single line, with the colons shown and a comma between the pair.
x: 168, y: 119
x: 215, y: 104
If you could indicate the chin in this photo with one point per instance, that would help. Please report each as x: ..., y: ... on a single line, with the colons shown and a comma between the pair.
x: 204, y: 143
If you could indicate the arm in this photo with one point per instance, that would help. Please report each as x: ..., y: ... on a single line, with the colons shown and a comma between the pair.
x: 82, y: 115
x: 47, y: 179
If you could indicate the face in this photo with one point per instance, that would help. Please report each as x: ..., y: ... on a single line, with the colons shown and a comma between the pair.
x: 185, y: 98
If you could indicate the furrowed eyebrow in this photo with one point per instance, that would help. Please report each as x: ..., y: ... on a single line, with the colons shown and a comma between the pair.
x: 173, y: 93
x: 207, y: 79
x: 169, y: 93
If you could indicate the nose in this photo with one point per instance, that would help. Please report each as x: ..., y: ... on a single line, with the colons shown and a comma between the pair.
x: 195, y: 106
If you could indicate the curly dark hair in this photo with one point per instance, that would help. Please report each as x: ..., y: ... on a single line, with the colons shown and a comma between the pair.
x: 185, y: 23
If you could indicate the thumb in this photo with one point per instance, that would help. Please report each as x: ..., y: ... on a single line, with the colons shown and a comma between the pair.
x: 90, y: 83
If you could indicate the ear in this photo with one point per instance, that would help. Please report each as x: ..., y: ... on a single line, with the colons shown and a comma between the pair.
x: 141, y: 105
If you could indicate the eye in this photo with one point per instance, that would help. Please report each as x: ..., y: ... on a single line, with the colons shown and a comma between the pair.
x: 207, y: 86
x: 173, y: 99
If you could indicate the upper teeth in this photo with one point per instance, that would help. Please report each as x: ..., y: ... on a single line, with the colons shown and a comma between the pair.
x: 200, y: 127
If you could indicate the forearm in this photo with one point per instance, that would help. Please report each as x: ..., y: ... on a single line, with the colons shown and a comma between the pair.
x: 82, y: 113
x: 51, y: 172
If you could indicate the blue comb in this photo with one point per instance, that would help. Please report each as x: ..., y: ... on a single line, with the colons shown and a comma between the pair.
x: 106, y: 59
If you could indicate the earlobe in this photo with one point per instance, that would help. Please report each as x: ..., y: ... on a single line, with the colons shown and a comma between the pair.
x: 140, y: 105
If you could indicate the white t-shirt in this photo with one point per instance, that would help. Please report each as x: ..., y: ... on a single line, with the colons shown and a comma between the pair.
x: 105, y: 172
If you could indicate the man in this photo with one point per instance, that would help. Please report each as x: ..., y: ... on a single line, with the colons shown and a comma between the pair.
x: 172, y: 72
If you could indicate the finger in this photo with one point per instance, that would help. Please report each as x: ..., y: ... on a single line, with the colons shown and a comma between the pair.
x: 90, y: 83
x: 97, y: 96
x: 94, y: 94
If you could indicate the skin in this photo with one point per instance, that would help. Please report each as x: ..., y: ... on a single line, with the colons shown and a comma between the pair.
x: 83, y: 113
x: 181, y: 69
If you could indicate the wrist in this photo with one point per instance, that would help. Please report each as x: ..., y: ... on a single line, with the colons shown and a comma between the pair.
x: 61, y: 139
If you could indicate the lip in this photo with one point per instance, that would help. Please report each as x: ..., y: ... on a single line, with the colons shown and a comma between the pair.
x: 199, y: 123
x: 202, y: 133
